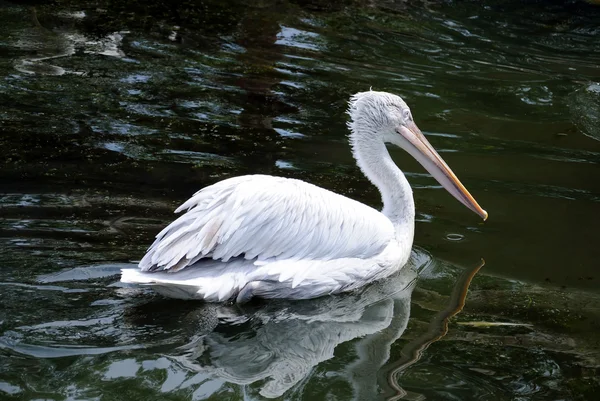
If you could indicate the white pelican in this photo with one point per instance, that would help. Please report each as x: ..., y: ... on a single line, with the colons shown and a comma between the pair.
x: 272, y: 237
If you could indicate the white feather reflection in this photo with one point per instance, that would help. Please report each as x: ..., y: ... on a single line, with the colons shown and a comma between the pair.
x: 287, y: 340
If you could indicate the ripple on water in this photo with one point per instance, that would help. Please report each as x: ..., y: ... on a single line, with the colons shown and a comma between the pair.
x: 455, y: 237
x: 293, y: 37
x: 96, y: 159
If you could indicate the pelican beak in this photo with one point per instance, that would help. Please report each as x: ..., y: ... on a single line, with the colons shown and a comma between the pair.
x: 419, y: 147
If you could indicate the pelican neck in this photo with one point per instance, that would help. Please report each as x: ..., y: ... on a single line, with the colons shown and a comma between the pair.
x: 377, y: 165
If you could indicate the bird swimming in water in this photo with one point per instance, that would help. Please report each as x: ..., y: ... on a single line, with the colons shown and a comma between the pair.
x: 273, y: 237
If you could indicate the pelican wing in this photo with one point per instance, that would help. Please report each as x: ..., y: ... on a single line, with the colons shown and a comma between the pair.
x: 268, y: 218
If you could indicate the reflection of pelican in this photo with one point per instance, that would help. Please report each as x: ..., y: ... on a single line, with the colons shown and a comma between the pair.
x: 282, y: 342
x: 284, y: 238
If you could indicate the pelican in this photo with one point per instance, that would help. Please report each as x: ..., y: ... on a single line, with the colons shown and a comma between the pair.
x: 273, y: 237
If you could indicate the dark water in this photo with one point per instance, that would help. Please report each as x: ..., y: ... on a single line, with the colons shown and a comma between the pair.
x: 112, y: 114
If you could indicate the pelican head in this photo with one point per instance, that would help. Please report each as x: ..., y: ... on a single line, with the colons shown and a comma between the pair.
x: 388, y: 117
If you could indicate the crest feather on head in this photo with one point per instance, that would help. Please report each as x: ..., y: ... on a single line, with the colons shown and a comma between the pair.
x: 376, y: 98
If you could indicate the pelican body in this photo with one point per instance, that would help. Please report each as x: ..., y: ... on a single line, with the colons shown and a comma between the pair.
x: 273, y: 237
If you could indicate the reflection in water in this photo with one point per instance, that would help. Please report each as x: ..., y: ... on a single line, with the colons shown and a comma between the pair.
x: 353, y: 344
x: 285, y: 342
x: 438, y: 328
x: 279, y: 344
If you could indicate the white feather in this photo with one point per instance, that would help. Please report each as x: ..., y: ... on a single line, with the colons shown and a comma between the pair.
x: 265, y: 217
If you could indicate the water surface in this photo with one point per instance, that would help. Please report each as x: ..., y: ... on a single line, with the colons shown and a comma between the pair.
x: 113, y: 116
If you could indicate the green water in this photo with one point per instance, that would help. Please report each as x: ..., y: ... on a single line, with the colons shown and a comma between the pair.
x: 113, y: 113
